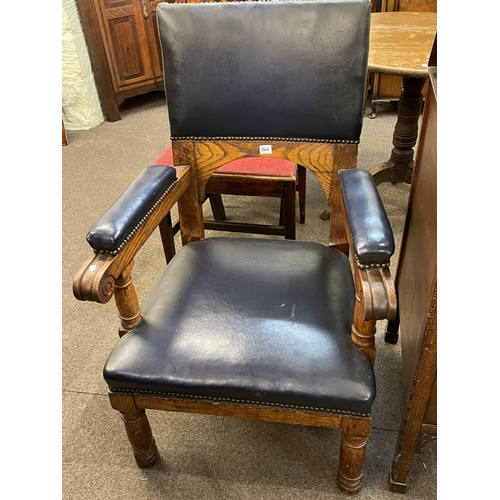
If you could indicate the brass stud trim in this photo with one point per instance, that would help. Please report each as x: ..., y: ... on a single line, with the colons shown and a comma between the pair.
x: 240, y: 401
x: 273, y: 139
x: 139, y: 224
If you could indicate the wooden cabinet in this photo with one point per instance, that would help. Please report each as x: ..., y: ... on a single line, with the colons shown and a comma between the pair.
x: 416, y: 283
x: 124, y: 49
x: 386, y: 88
x: 129, y: 42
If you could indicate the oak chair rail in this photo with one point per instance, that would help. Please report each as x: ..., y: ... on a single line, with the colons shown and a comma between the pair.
x: 119, y: 401
x: 323, y: 159
x: 355, y: 430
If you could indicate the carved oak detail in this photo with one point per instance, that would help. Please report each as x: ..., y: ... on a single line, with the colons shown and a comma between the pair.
x: 96, y: 280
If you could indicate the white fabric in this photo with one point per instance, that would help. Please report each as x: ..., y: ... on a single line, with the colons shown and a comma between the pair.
x: 81, y: 109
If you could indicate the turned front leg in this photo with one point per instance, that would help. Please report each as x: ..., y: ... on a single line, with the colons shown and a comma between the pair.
x: 363, y: 332
x: 138, y: 430
x: 352, y: 455
x: 126, y: 301
x: 141, y: 438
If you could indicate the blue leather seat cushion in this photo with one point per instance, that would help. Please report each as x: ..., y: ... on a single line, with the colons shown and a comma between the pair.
x: 253, y: 320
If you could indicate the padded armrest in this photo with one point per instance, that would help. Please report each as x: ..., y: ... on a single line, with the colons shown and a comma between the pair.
x: 371, y: 231
x: 119, y: 223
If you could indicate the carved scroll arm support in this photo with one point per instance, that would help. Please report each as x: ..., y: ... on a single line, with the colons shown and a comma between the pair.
x: 371, y: 244
x: 110, y: 266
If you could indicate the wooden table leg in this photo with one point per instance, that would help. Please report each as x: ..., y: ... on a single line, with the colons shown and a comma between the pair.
x: 399, y: 168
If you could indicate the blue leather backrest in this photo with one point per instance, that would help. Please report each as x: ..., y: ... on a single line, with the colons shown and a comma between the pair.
x: 285, y: 70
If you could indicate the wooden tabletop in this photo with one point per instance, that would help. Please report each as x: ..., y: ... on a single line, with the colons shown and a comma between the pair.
x: 401, y: 42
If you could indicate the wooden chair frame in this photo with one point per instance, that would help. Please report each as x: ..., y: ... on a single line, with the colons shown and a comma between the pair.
x: 105, y: 275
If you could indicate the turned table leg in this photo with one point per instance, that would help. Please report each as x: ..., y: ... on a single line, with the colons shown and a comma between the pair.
x: 399, y: 168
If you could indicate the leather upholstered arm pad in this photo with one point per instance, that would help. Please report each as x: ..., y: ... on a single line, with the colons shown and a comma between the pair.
x: 113, y: 229
x: 371, y: 231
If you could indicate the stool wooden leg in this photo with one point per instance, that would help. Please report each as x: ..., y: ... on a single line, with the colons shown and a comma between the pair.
x: 217, y: 207
x: 288, y: 201
x: 167, y: 237
x: 138, y: 430
x: 301, y: 188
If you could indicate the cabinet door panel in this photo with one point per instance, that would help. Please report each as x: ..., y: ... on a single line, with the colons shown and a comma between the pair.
x: 154, y: 41
x: 125, y: 41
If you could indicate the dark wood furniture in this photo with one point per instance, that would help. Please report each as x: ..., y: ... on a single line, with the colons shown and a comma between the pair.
x: 416, y: 283
x: 253, y: 184
x: 385, y: 87
x: 254, y: 328
x: 124, y: 51
x: 400, y: 44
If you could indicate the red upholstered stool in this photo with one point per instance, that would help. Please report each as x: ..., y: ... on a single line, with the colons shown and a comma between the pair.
x: 256, y: 176
x: 273, y: 167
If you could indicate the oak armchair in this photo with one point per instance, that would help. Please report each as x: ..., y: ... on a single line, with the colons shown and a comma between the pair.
x: 258, y: 328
